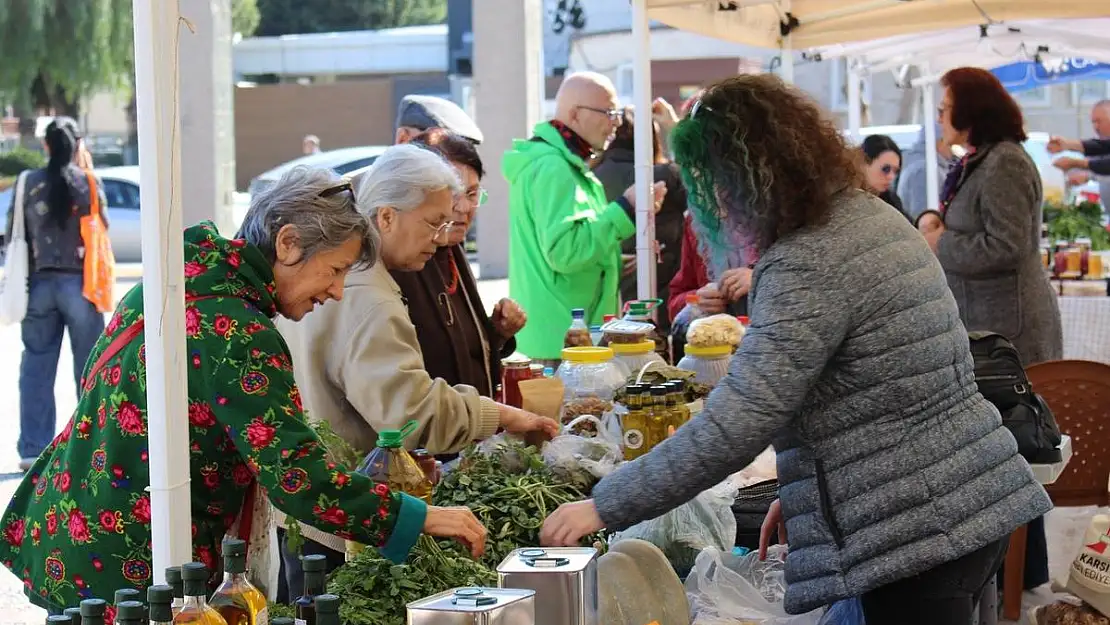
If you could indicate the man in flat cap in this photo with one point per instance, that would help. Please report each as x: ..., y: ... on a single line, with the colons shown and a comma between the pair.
x: 418, y: 113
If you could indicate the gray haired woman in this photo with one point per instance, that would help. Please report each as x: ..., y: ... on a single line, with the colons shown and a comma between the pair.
x: 359, y: 364
x: 246, y: 422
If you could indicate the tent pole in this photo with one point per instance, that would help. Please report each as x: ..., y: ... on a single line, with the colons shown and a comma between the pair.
x: 641, y: 95
x: 855, y: 98
x: 786, y: 50
x: 928, y: 121
x: 157, y: 31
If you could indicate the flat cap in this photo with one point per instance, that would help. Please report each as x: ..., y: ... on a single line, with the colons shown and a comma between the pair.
x: 424, y: 112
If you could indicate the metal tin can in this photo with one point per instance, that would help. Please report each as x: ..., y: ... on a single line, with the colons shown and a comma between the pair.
x: 564, y: 578
x: 475, y: 606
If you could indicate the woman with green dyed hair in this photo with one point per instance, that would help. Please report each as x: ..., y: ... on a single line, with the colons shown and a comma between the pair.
x: 898, y: 483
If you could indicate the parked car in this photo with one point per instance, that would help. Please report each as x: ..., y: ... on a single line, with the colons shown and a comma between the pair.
x: 342, y: 161
x: 121, y: 188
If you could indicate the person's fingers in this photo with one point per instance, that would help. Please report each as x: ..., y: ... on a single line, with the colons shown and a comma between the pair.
x: 782, y: 532
x: 765, y: 537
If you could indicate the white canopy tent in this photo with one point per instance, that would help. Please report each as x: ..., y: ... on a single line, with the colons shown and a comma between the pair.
x: 158, y: 27
x: 986, y: 46
x: 788, y: 25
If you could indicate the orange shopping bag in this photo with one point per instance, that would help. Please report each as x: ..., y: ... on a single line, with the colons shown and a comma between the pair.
x: 100, y: 262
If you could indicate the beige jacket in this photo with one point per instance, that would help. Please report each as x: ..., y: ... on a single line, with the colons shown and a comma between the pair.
x: 359, y: 367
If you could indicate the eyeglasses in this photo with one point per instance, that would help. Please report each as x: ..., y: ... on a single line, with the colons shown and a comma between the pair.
x: 615, y: 115
x: 337, y: 189
x: 476, y: 197
x: 440, y: 232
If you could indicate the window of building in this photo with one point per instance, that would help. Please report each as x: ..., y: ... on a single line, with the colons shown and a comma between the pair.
x: 1089, y: 91
x: 1041, y: 97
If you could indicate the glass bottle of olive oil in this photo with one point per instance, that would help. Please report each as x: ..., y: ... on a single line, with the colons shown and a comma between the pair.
x: 659, y: 417
x: 677, y: 403
x: 237, y: 599
x: 635, y: 423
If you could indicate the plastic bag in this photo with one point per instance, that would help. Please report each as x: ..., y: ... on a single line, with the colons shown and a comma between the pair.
x: 846, y: 612
x: 703, y: 522
x: 582, y: 460
x: 727, y: 589
x: 715, y: 330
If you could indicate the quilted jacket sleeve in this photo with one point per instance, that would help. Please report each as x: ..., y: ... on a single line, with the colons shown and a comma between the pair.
x: 799, y: 318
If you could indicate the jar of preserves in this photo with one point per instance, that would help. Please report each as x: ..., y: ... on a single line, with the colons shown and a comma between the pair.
x: 709, y: 364
x: 514, y: 369
x: 590, y: 379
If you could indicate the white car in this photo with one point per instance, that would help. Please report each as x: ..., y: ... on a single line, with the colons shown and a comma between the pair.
x: 121, y: 189
x: 341, y: 161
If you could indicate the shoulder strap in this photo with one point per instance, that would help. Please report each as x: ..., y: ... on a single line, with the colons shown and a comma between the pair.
x: 121, y: 341
x: 19, y: 227
x: 94, y: 194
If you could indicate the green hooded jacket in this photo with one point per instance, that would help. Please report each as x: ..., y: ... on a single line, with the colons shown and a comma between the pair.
x: 564, y: 240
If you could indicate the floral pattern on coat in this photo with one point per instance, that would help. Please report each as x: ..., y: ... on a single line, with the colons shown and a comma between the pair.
x: 79, y: 524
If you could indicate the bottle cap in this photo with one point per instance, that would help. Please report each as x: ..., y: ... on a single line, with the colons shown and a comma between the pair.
x: 634, y: 389
x: 130, y: 610
x: 282, y: 620
x: 126, y: 594
x: 548, y: 372
x: 173, y: 575
x: 75, y: 614
x: 162, y: 593
x: 392, y: 439
x: 194, y: 572
x: 692, y: 298
x: 578, y: 313
x: 160, y: 599
x: 59, y: 618
x: 93, y: 607
x: 234, y: 547
x: 608, y: 318
x: 659, y: 390
x: 327, y: 604
x: 315, y: 563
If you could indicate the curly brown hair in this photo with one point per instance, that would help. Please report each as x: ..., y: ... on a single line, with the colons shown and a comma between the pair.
x: 760, y: 160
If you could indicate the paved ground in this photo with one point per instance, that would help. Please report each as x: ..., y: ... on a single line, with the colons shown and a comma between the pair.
x: 1065, y: 527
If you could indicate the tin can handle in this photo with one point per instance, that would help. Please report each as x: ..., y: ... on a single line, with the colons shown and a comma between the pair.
x: 550, y: 563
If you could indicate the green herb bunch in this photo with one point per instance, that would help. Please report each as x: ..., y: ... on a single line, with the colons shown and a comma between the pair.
x: 511, y: 491
x: 375, y: 591
x: 1082, y: 221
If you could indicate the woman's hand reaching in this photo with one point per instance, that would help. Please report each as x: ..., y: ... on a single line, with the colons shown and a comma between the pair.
x: 459, y: 524
x: 517, y: 421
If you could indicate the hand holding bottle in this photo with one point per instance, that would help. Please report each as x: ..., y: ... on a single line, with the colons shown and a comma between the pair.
x: 459, y: 524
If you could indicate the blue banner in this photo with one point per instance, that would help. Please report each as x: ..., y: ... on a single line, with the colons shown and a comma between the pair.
x: 1026, y: 75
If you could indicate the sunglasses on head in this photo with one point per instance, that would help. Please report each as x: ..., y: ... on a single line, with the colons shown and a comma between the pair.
x: 337, y: 189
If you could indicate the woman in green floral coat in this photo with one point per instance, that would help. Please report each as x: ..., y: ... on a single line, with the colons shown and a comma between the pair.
x: 79, y: 524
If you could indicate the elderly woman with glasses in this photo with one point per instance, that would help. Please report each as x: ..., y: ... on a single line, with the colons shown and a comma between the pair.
x: 79, y: 524
x: 461, y: 343
x: 359, y: 362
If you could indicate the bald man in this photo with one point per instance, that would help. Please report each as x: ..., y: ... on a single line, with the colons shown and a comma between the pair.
x: 1097, y: 165
x: 564, y: 243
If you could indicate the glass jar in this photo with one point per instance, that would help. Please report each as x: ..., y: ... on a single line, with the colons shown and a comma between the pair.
x: 709, y: 364
x: 633, y: 356
x: 590, y: 379
x: 514, y: 369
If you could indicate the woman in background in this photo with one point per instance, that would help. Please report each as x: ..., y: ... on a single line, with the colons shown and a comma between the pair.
x: 987, y: 236
x: 615, y: 170
x: 883, y: 161
x: 55, y: 198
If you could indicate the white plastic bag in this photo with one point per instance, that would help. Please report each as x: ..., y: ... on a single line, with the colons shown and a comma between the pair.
x: 728, y: 589
x: 582, y: 460
x: 705, y: 521
x: 17, y: 264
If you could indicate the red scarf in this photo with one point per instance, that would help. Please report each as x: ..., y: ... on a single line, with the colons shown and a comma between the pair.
x: 579, y: 146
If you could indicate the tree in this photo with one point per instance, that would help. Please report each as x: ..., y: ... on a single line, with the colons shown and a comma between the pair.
x: 287, y: 17
x: 245, y: 17
x: 56, y: 52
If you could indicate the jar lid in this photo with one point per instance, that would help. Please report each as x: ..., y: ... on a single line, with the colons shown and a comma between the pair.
x: 710, y: 350
x: 584, y: 355
x: 516, y: 361
x: 643, y: 347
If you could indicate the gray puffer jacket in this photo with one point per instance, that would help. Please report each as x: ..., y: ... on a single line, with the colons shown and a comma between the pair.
x: 857, y: 368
